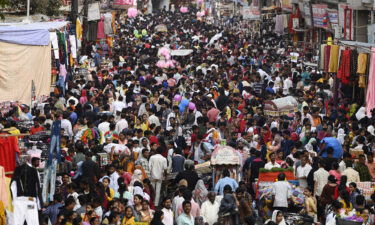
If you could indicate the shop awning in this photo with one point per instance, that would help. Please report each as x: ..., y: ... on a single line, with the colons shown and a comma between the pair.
x: 358, y: 44
x: 29, y: 34
x: 181, y: 52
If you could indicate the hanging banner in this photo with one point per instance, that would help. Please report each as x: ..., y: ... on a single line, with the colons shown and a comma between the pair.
x: 123, y: 4
x: 250, y: 13
x: 333, y: 16
x: 319, y: 12
x: 305, y: 10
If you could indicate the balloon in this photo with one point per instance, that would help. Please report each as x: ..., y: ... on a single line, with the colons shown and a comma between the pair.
x: 200, y: 14
x: 144, y: 32
x: 132, y: 12
x: 170, y: 64
x: 135, y: 32
x: 183, y: 104
x: 177, y: 97
x: 192, y: 106
x: 184, y: 9
x: 164, y: 51
x: 162, y: 64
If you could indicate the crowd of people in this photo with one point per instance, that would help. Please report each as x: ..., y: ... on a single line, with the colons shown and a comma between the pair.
x: 141, y: 116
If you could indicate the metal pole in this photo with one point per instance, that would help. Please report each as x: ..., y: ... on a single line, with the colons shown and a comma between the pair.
x: 28, y: 11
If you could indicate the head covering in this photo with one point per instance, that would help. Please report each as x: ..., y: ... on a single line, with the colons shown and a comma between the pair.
x: 341, y: 135
x: 183, y: 182
x: 200, y: 192
x: 294, y: 136
x: 137, y: 176
x: 274, y: 214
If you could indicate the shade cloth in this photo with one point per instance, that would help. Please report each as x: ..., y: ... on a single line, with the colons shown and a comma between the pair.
x: 19, y: 66
x: 29, y: 34
x: 370, y: 95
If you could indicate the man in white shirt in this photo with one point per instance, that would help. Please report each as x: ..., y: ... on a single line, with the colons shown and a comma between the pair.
x: 352, y: 174
x: 210, y: 209
x: 168, y: 212
x: 272, y: 163
x: 281, y: 192
x: 67, y: 125
x: 152, y: 119
x: 118, y: 105
x: 158, y: 166
x: 104, y: 125
x: 302, y: 172
x: 288, y: 83
x: 320, y: 178
x: 121, y: 124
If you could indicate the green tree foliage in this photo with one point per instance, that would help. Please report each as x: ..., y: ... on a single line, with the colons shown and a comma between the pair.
x: 47, y: 7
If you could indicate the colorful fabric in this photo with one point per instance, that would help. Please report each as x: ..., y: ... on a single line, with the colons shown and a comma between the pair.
x: 344, y: 71
x: 362, y: 63
x: 370, y: 96
x: 334, y: 59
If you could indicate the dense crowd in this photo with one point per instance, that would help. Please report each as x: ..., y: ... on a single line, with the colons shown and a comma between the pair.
x: 158, y: 123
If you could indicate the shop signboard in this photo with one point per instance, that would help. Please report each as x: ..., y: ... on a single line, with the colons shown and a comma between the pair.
x: 305, y: 8
x: 123, y: 4
x: 250, y: 13
x: 319, y: 12
x: 333, y: 16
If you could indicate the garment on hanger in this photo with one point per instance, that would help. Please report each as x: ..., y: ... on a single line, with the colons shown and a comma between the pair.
x: 79, y: 29
x: 362, y: 81
x: 362, y: 63
x: 343, y: 72
x: 354, y: 62
x: 327, y: 55
x: 279, y: 24
x: 4, y: 190
x: 49, y: 182
x: 370, y: 95
x: 101, y: 33
x: 108, y: 24
x: 334, y: 59
x: 8, y: 150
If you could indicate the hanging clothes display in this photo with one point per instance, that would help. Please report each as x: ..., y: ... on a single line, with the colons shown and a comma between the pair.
x: 333, y: 59
x: 8, y: 150
x: 370, y: 95
x: 327, y: 55
x: 101, y: 34
x: 108, y: 24
x: 353, y: 62
x: 92, y: 31
x: 343, y: 72
x: 79, y: 29
x: 49, y: 182
x: 279, y: 24
x: 362, y: 63
x: 4, y: 190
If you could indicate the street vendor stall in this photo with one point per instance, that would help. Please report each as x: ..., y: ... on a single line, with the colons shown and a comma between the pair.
x: 224, y: 157
x: 281, y: 106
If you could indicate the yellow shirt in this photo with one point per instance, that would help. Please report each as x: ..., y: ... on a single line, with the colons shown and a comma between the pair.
x: 130, y: 221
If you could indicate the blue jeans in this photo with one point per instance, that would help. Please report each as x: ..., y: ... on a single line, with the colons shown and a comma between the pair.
x: 54, y: 147
x: 49, y: 182
x: 61, y: 83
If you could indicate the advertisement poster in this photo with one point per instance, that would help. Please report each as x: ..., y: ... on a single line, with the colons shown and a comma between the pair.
x: 120, y: 4
x: 250, y: 13
x: 333, y: 16
x: 319, y: 12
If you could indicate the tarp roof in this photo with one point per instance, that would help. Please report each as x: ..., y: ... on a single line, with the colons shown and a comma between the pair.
x: 29, y: 34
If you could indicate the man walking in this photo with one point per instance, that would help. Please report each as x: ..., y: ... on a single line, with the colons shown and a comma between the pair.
x: 158, y: 167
